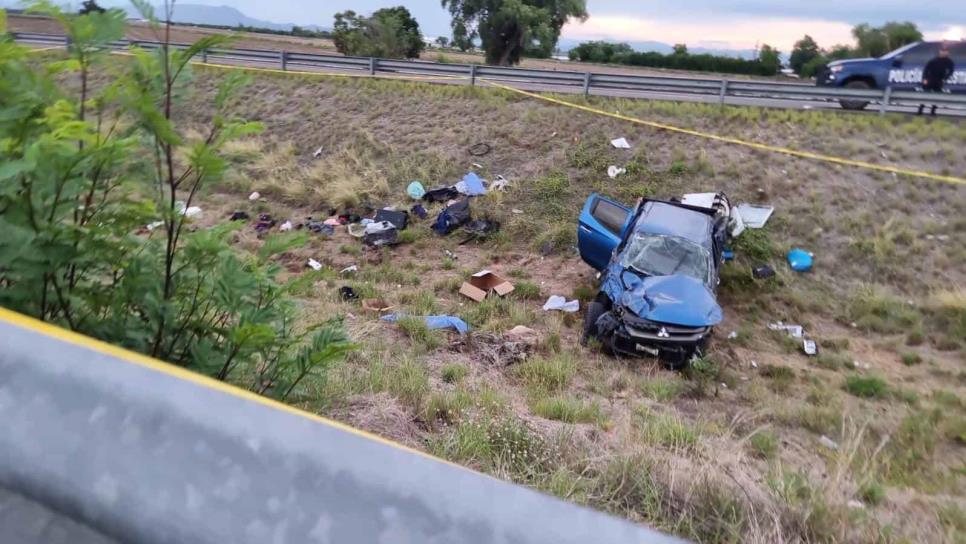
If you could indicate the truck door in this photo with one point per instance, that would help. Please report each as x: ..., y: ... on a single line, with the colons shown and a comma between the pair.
x: 602, y: 225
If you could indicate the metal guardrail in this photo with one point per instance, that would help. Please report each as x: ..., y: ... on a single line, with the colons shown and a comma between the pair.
x: 585, y: 82
x: 139, y: 451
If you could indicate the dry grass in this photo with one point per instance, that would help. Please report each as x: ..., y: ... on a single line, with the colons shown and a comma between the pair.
x: 725, y: 454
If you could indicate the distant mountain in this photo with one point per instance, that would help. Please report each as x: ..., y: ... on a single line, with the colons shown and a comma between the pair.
x: 226, y: 16
x: 193, y: 14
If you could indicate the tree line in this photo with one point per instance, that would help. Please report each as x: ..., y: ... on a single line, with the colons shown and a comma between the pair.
x: 767, y: 60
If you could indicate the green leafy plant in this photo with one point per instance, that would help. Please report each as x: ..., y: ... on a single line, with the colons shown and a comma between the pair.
x: 83, y: 169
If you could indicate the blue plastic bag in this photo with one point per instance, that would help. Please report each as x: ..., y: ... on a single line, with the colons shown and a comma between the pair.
x: 416, y: 190
x: 434, y: 322
x: 800, y: 260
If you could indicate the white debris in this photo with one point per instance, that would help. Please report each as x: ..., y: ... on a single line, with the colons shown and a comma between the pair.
x: 557, y: 302
x: 754, y: 364
x: 754, y: 217
x: 349, y: 269
x: 318, y: 152
x: 286, y: 226
x: 620, y: 143
x: 156, y: 224
x: 254, y: 196
x: 500, y: 184
x: 732, y: 335
x: 856, y: 505
x: 516, y: 211
x: 614, y: 171
x: 828, y: 443
x: 315, y: 265
x: 796, y: 331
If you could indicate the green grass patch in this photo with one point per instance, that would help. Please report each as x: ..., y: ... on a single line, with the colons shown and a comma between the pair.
x: 568, y: 410
x: 911, y: 358
x: 764, y: 444
x: 548, y: 374
x: 780, y: 378
x: 526, y: 290
x: 874, y: 309
x: 660, y: 389
x: 454, y: 373
x: 867, y: 387
x: 665, y: 429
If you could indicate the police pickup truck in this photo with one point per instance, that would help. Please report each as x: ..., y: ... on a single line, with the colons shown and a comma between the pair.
x: 900, y: 69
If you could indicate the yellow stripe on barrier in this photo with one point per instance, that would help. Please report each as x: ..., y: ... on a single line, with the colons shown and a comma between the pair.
x: 737, y: 141
x: 121, y: 354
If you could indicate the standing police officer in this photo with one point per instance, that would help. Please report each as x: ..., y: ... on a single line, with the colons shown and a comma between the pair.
x: 935, y: 74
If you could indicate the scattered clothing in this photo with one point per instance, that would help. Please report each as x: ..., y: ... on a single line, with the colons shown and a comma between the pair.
x: 320, y: 227
x: 501, y: 184
x: 348, y: 293
x: 434, y: 322
x: 479, y: 229
x: 286, y: 226
x: 452, y: 217
x: 332, y: 221
x: 382, y: 233
x: 471, y: 185
x: 557, y: 302
x: 349, y: 269
x: 419, y: 211
x: 442, y: 194
x: 398, y: 219
x: 315, y: 265
x: 416, y: 190
x: 265, y: 223
x: 763, y: 272
x: 254, y: 196
x: 239, y: 216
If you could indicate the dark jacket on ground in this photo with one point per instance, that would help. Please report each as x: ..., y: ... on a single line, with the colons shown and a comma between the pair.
x: 937, y: 71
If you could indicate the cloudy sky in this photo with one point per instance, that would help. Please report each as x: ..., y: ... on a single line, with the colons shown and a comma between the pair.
x: 733, y: 24
x: 730, y: 24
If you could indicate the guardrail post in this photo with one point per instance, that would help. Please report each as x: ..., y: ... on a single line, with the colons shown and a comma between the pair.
x: 66, y: 42
x: 587, y: 77
x: 204, y: 56
x: 723, y: 93
x: 283, y: 57
x: 886, y: 98
x: 372, y: 66
x: 472, y: 75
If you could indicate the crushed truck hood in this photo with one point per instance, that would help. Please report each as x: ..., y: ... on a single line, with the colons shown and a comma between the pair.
x: 675, y: 300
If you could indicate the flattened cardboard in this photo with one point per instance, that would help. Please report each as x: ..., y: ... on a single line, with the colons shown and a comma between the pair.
x: 482, y: 283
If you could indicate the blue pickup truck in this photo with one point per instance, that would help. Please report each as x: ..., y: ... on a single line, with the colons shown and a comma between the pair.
x: 658, y: 265
x: 900, y: 69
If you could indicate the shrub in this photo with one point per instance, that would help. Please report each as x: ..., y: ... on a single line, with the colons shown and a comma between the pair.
x: 764, y: 444
x: 70, y: 252
x: 910, y: 358
x: 866, y: 386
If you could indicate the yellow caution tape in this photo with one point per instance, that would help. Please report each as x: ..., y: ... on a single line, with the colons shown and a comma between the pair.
x: 671, y: 128
x: 726, y: 139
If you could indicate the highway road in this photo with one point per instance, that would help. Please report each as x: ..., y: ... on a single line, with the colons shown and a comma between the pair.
x: 614, y: 90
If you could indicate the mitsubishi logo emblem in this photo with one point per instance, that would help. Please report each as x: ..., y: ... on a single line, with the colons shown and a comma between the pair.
x: 663, y: 333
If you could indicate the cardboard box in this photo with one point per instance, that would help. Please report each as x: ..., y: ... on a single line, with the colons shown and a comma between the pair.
x: 483, y: 283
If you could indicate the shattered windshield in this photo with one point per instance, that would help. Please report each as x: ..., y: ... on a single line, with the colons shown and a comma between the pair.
x: 657, y: 255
